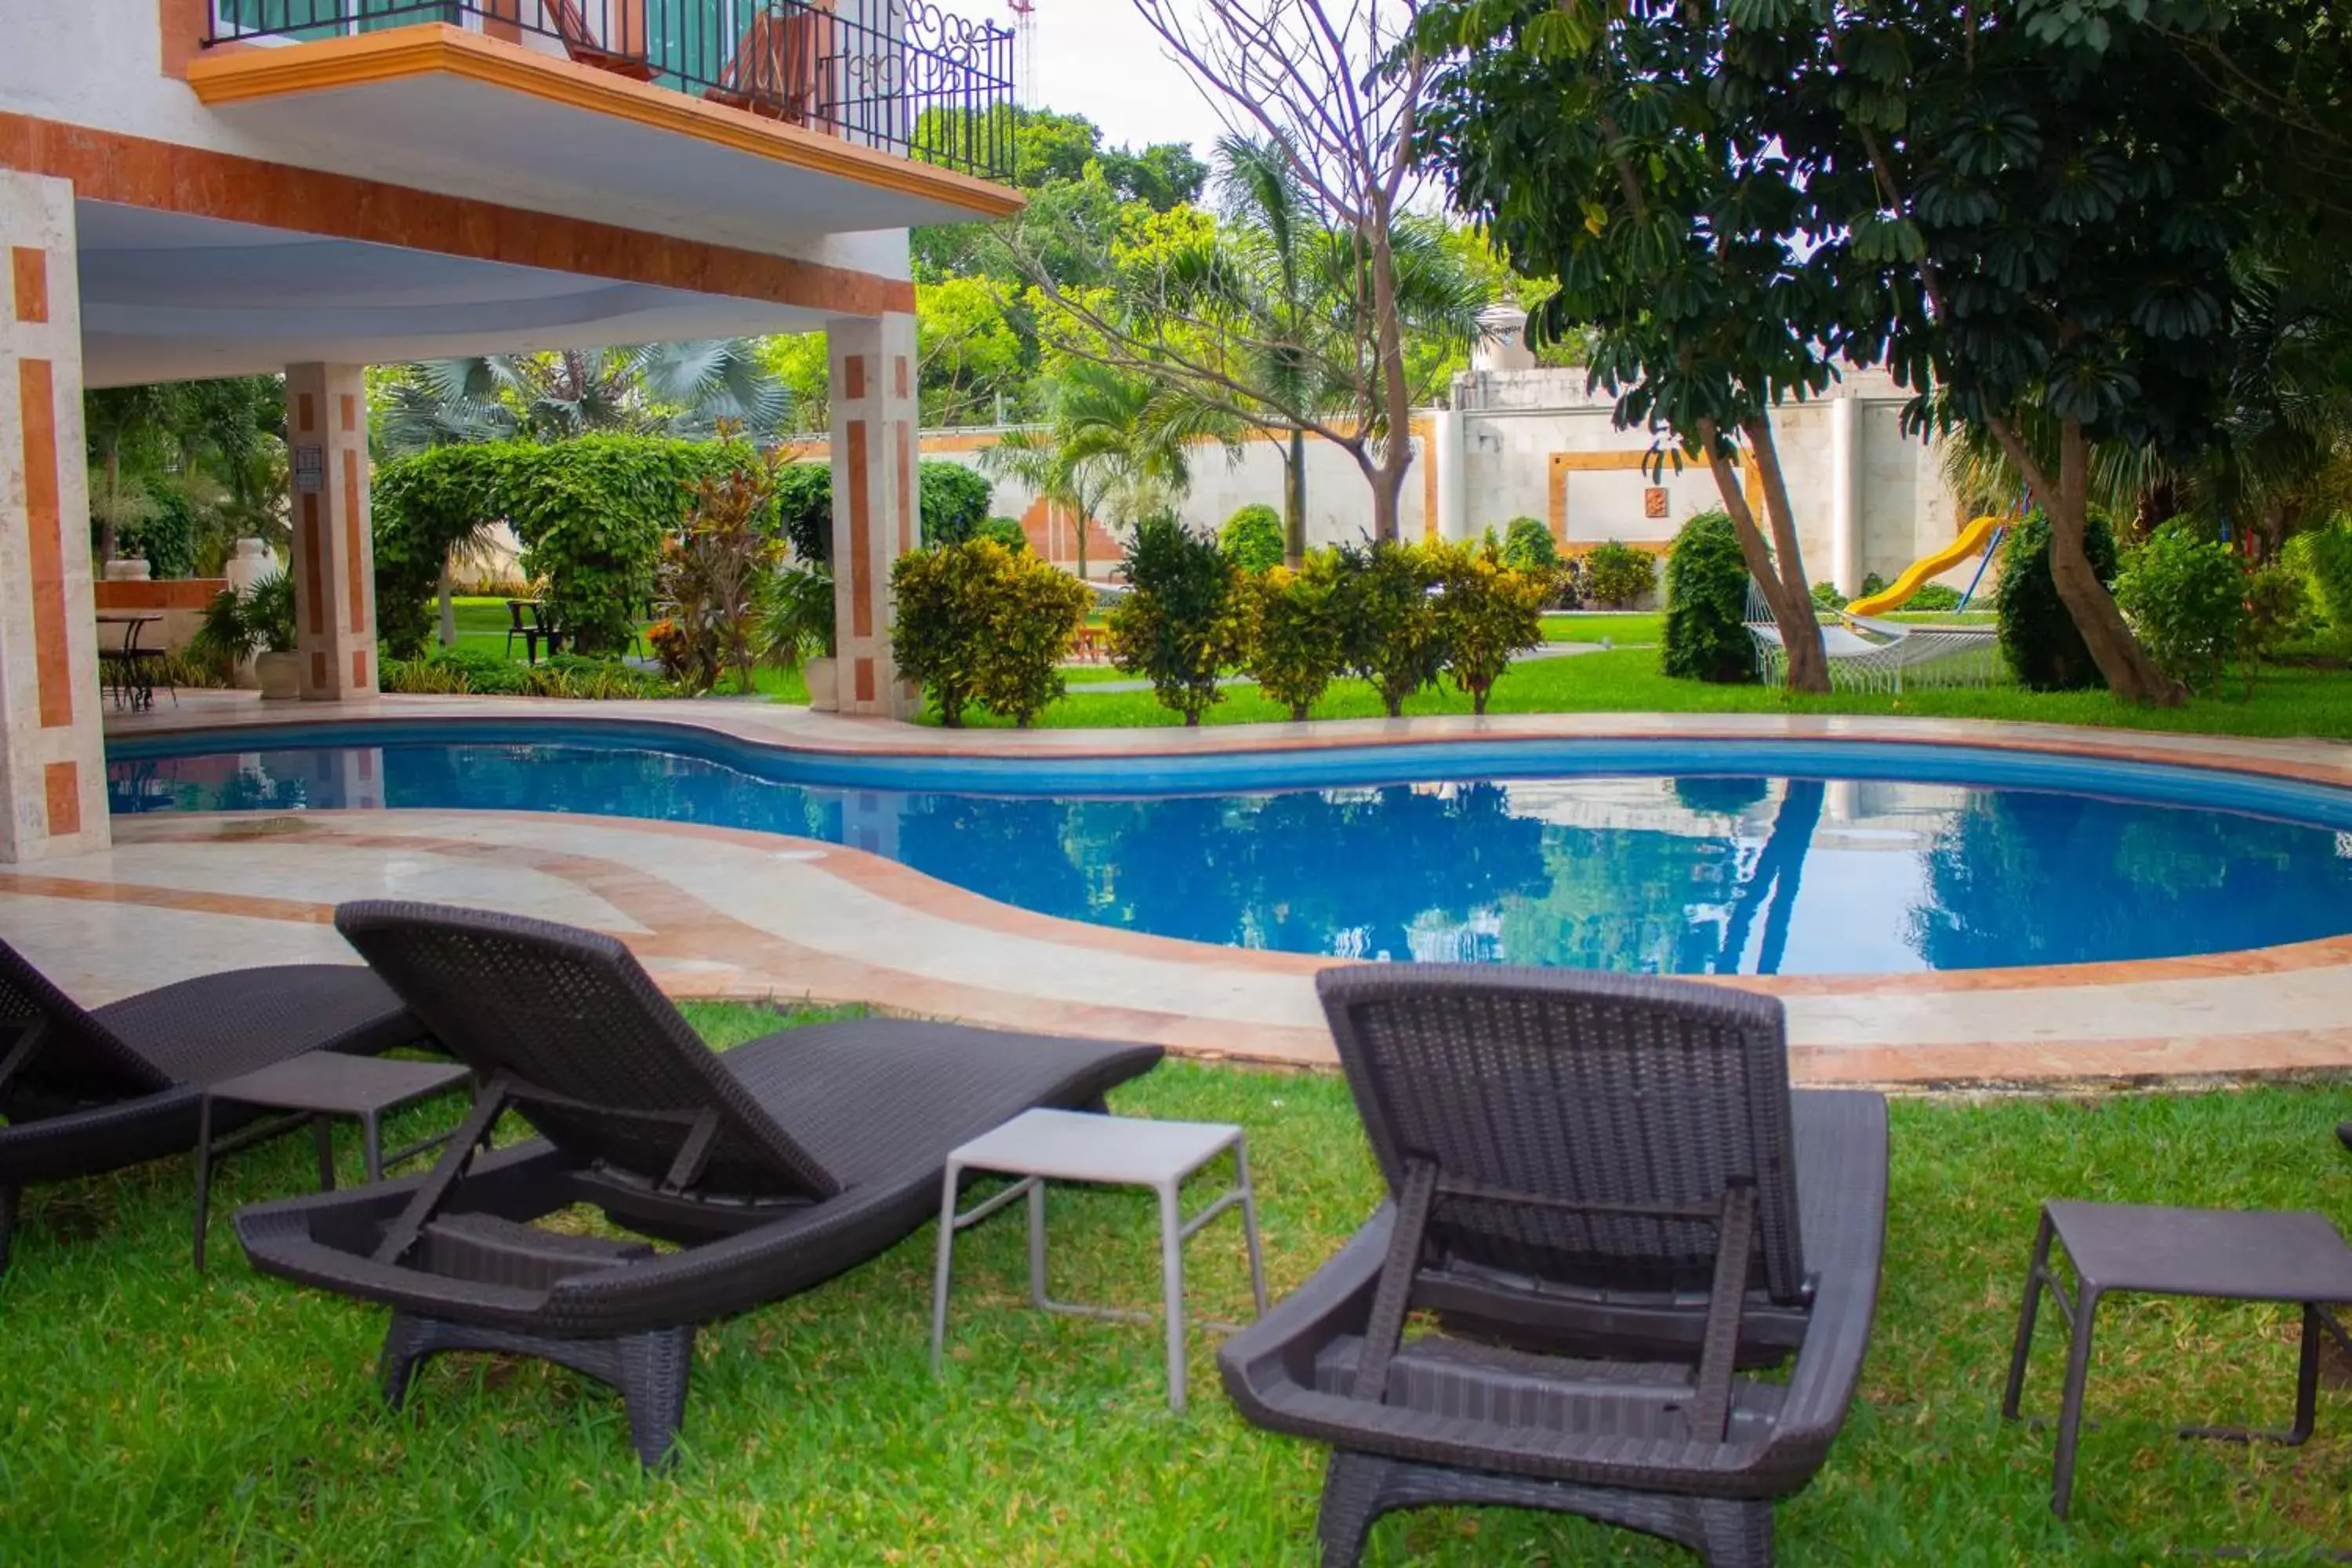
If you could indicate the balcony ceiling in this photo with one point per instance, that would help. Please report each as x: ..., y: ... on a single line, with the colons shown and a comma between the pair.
x: 621, y: 150
x: 166, y: 296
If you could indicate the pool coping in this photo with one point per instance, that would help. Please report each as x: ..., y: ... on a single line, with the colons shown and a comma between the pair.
x: 2303, y: 1043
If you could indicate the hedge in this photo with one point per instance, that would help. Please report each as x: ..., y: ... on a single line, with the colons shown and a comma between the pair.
x: 1706, y: 605
x: 2037, y: 631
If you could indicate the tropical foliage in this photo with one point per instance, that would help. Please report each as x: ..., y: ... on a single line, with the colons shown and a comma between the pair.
x: 1181, y: 623
x: 1705, y: 635
x: 1486, y: 612
x: 977, y: 623
x: 693, y: 390
x: 1297, y: 631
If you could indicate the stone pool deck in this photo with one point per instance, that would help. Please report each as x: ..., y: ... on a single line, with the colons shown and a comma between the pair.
x: 733, y: 913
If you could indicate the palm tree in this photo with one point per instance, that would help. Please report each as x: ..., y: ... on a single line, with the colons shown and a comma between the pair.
x: 688, y: 389
x: 1115, y: 447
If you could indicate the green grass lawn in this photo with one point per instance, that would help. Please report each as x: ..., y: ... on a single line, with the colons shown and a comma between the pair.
x: 1633, y: 629
x: 2289, y: 701
x: 156, y: 1417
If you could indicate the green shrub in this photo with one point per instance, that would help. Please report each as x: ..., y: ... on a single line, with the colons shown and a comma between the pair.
x: 1182, y: 625
x: 1007, y: 532
x: 1620, y: 574
x: 2186, y: 596
x: 1251, y: 538
x: 940, y: 638
x: 1872, y: 586
x: 1935, y: 596
x: 1706, y: 605
x: 165, y: 537
x: 1486, y: 613
x: 718, y: 574
x: 1825, y: 596
x: 2037, y: 632
x: 1034, y: 610
x: 238, y: 625
x: 2324, y: 557
x: 2278, y: 604
x: 955, y: 501
x: 1527, y: 545
x: 591, y: 513
x: 462, y: 670
x: 1393, y: 635
x: 804, y: 511
x: 1296, y: 642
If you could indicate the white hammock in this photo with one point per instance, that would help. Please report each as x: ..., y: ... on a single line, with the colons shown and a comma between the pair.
x: 1870, y: 654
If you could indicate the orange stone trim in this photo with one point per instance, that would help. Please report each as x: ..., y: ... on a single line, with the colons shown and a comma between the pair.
x: 173, y: 593
x: 360, y: 678
x: 61, y: 788
x: 861, y: 533
x: 853, y: 377
x: 1563, y: 464
x: 45, y: 542
x: 349, y: 412
x: 356, y: 584
x: 112, y: 166
x: 864, y: 677
x: 318, y: 671
x: 306, y: 419
x: 909, y: 482
x: 31, y: 265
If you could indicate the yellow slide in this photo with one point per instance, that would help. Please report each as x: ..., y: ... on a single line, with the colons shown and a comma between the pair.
x: 1915, y: 576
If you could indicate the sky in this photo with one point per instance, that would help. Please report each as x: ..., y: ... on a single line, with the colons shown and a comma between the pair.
x: 1095, y: 58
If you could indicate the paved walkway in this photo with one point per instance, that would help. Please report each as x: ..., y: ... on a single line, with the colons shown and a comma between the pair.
x: 725, y: 913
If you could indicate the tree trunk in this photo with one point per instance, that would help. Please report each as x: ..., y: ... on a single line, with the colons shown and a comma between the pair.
x: 2132, y: 676
x: 448, y: 610
x: 1801, y: 634
x: 1080, y: 514
x: 1809, y: 666
x: 1396, y: 457
x: 1294, y: 502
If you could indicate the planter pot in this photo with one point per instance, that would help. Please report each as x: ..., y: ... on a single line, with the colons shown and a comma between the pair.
x: 280, y: 675
x: 825, y: 693
x: 127, y: 569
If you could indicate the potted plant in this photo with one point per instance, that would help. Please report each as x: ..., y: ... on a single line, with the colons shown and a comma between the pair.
x: 257, y: 625
x: 799, y: 630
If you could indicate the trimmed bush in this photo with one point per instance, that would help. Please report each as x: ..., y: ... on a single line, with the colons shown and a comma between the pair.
x: 1706, y: 605
x: 804, y: 511
x: 1034, y: 611
x: 1183, y: 624
x: 1486, y: 613
x: 2186, y: 596
x: 1297, y: 640
x: 2037, y: 632
x: 1620, y: 574
x: 2324, y: 557
x: 1528, y: 546
x: 1935, y: 596
x: 1251, y: 538
x: 977, y: 623
x: 1827, y: 598
x: 955, y: 501
x: 1394, y: 641
x: 2278, y: 606
x: 1007, y: 532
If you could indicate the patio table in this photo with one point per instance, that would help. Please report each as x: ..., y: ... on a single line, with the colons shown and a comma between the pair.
x: 133, y: 688
x: 1039, y: 1146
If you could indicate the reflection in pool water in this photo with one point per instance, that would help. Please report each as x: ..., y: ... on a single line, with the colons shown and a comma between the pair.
x: 1698, y: 875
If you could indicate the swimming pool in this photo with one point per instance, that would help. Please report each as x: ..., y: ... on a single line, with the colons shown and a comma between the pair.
x: 1704, y: 857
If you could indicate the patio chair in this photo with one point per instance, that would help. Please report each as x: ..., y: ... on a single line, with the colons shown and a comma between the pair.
x: 622, y: 47
x: 773, y: 1167
x: 775, y: 69
x: 1604, y: 1191
x: 86, y: 1091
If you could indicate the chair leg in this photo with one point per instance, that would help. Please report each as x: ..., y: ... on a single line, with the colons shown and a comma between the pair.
x: 1734, y: 1534
x: 1352, y: 1484
x: 2036, y: 1276
x: 2070, y: 1411
x: 408, y: 1342
x: 654, y: 1370
x: 12, y: 1199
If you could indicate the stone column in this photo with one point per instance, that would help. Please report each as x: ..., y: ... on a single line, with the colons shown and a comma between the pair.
x: 1449, y: 455
x: 52, y: 740
x: 875, y: 515
x: 333, y: 557
x: 1845, y: 493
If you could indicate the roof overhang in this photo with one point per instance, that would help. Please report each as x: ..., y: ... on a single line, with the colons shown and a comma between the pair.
x: 443, y: 94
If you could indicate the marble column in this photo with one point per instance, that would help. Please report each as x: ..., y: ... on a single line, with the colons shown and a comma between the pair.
x: 876, y: 517
x: 52, y: 740
x: 333, y: 556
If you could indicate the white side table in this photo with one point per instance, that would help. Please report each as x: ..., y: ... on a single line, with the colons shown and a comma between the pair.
x: 1039, y: 1146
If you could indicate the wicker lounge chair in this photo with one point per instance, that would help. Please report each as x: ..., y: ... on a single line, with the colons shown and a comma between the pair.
x: 84, y: 1091
x: 775, y: 1166
x: 1605, y: 1192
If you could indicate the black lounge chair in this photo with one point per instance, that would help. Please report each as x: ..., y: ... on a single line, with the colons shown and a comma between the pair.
x: 774, y: 1166
x: 88, y: 1090
x: 1605, y: 1192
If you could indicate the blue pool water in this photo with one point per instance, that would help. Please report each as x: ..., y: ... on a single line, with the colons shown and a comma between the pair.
x: 1695, y: 858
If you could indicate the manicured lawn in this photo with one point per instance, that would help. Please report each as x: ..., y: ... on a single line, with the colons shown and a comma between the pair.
x: 2290, y: 701
x: 1633, y: 628
x: 156, y: 1417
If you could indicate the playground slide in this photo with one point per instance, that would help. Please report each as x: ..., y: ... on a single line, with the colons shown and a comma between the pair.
x: 1915, y: 576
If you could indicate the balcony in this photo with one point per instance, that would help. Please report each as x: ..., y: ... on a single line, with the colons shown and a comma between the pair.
x: 798, y: 117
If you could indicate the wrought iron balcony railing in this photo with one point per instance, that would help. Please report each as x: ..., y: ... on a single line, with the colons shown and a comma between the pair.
x: 901, y: 75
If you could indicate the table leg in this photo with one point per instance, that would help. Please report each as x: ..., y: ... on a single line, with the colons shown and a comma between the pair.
x: 373, y: 1146
x: 1038, y: 1245
x: 322, y: 1130
x: 939, y: 1275
x: 1249, y: 1223
x: 2035, y: 1277
x: 2070, y: 1409
x: 1172, y: 1285
x: 203, y: 1172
